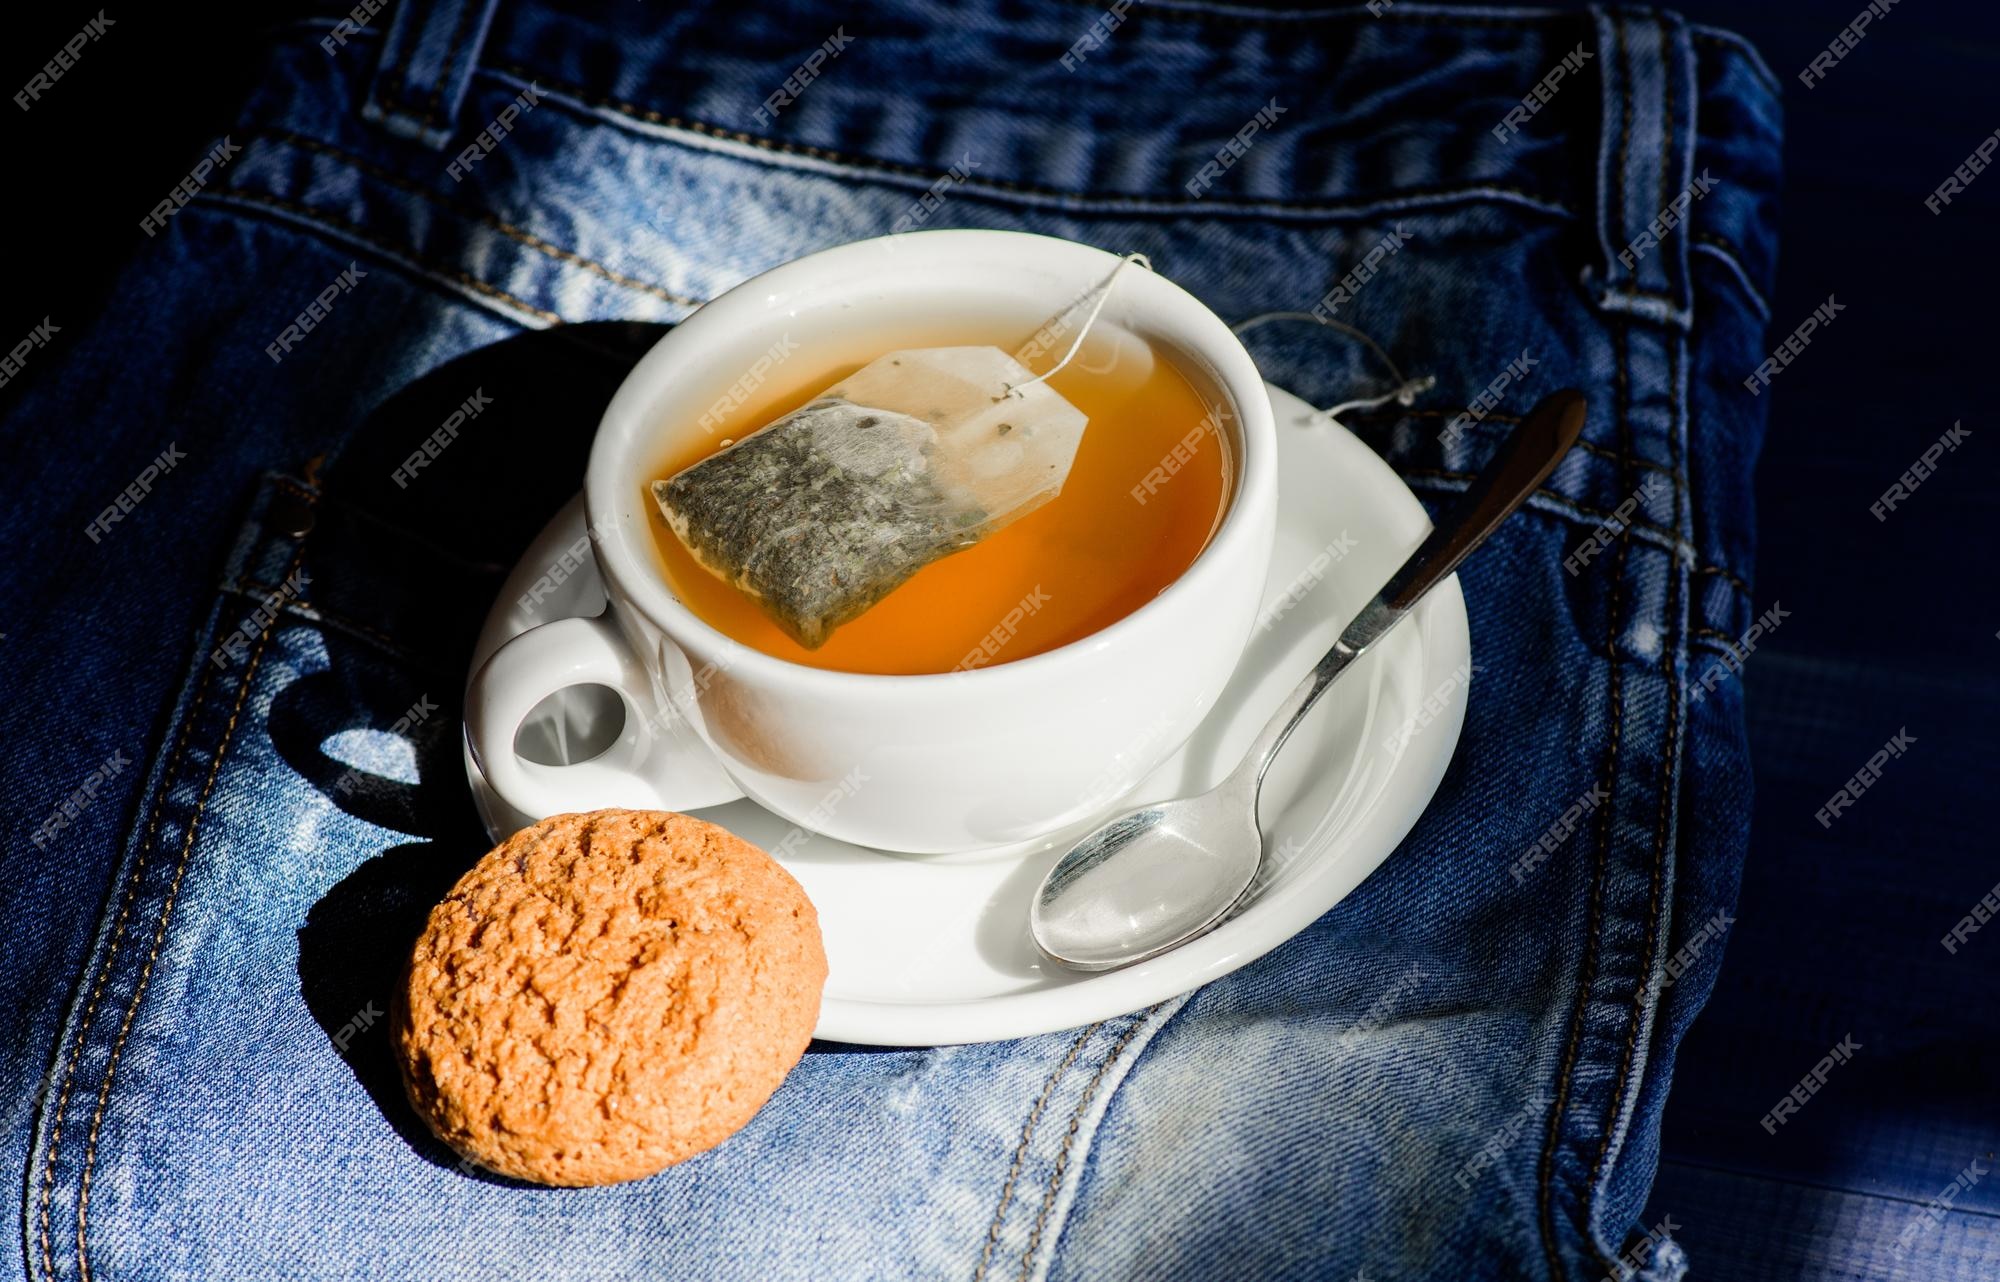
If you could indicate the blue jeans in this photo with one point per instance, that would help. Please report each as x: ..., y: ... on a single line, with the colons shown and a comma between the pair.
x: 235, y: 641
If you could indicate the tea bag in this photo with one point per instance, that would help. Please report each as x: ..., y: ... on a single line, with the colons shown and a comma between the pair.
x: 919, y: 454
x: 913, y: 457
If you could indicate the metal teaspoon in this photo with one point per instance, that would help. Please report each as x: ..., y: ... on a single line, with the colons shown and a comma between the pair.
x: 1156, y: 877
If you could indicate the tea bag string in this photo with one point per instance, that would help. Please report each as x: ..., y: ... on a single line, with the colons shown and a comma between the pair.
x: 1404, y: 393
x: 1103, y: 292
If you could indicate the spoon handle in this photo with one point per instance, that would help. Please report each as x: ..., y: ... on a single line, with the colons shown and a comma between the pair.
x: 1523, y: 463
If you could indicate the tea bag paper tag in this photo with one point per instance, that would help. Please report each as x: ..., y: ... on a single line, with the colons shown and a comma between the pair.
x: 1005, y: 452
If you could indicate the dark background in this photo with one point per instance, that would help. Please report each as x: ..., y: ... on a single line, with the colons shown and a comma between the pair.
x: 1893, y: 625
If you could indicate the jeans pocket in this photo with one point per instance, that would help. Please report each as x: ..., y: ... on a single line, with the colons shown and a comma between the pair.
x: 293, y: 834
x: 226, y: 1045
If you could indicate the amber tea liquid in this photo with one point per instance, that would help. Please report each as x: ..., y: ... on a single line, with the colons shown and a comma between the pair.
x: 1149, y: 485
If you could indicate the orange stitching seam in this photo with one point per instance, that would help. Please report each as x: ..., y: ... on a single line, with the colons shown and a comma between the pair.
x: 501, y: 225
x: 852, y: 161
x: 305, y: 611
x: 1280, y: 18
x: 1596, y: 514
x: 454, y: 55
x: 1587, y: 447
x: 167, y: 781
x: 1069, y: 1139
x: 1021, y: 1152
x: 1718, y: 571
x: 1680, y: 545
x: 332, y: 220
x: 1545, y: 1177
x: 1656, y: 876
x: 160, y: 935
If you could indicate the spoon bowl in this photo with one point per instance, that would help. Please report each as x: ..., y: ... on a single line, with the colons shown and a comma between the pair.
x: 1148, y: 881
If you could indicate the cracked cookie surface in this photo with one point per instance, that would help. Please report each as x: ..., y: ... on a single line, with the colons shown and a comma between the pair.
x: 606, y: 994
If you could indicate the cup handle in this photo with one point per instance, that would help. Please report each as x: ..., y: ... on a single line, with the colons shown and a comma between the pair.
x: 657, y: 762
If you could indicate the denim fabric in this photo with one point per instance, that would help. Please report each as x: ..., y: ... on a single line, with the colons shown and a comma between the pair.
x: 242, y: 787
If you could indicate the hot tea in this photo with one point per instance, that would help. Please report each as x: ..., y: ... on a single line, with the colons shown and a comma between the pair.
x: 871, y: 581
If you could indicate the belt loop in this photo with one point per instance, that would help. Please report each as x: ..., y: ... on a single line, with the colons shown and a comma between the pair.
x: 1647, y: 190
x: 427, y: 62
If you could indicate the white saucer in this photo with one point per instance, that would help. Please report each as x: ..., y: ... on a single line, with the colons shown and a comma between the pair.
x: 936, y: 950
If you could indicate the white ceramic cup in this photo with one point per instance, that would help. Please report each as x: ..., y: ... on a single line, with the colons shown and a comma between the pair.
x: 932, y: 763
